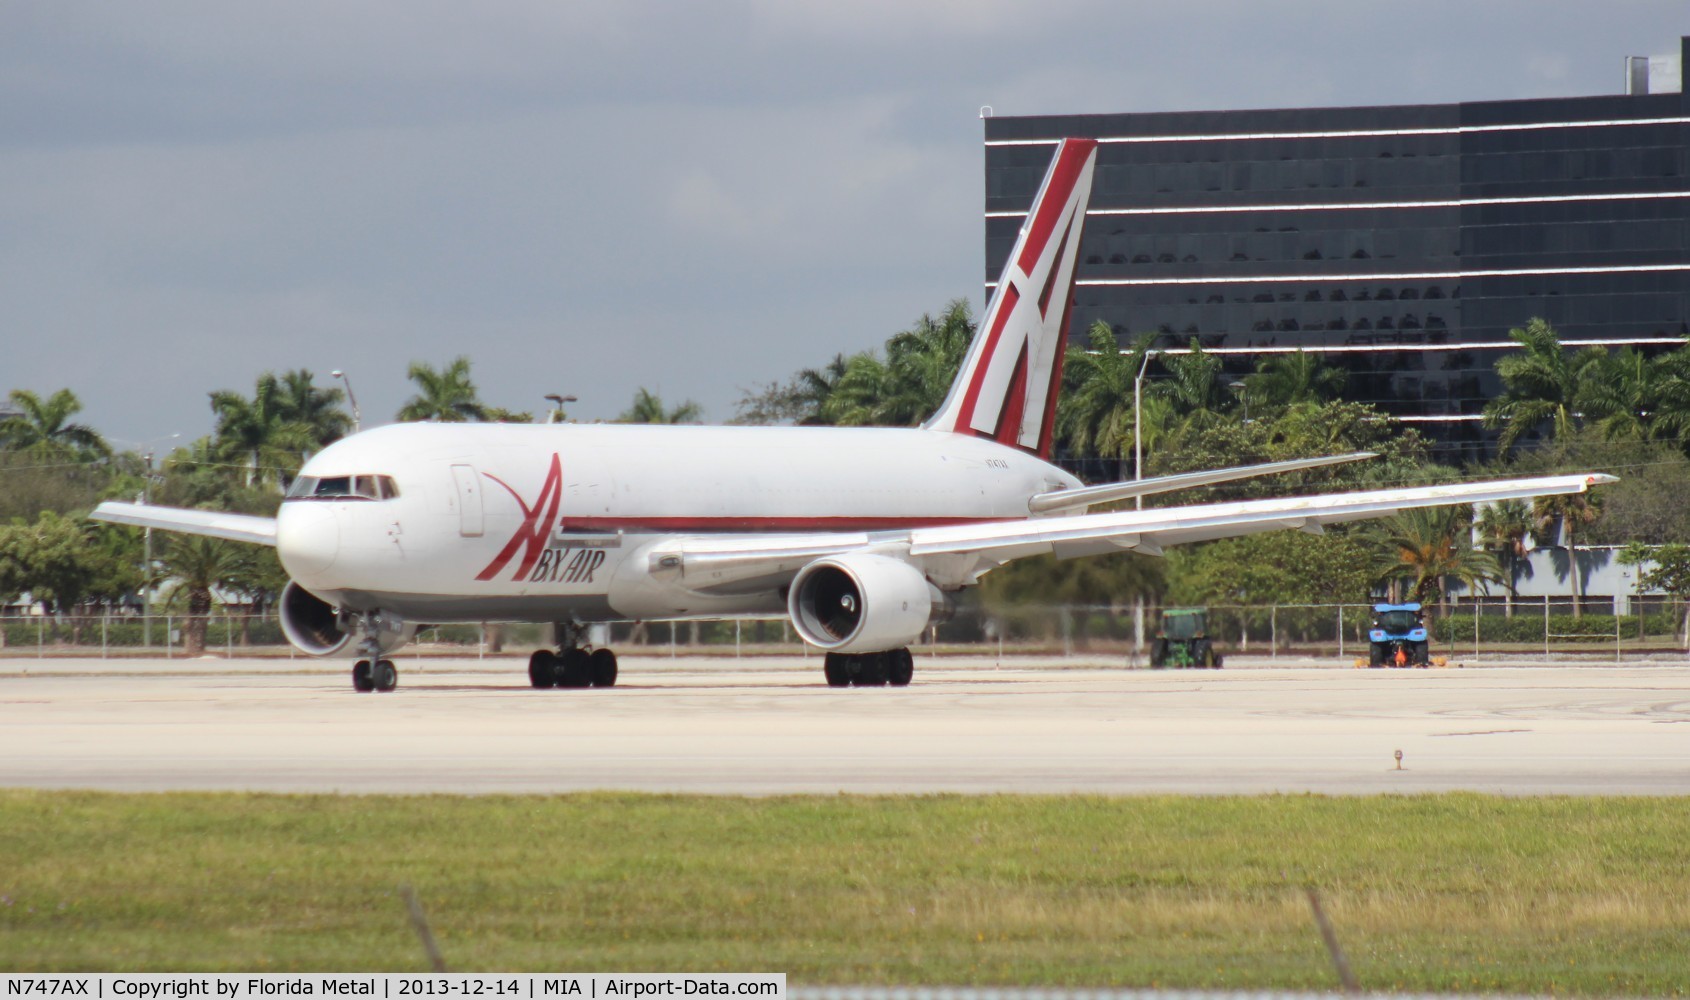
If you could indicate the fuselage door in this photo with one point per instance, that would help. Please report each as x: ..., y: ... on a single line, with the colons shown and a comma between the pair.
x: 470, y: 520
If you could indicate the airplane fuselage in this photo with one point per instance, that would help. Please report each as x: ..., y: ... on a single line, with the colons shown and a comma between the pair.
x: 471, y: 522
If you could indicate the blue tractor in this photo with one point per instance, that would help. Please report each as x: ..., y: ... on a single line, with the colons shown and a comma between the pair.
x: 1397, y: 637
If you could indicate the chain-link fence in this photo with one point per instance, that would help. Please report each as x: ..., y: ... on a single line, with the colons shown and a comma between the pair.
x: 1119, y: 630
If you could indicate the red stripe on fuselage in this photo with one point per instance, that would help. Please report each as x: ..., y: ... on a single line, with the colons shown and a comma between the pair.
x: 763, y: 524
x: 1071, y: 161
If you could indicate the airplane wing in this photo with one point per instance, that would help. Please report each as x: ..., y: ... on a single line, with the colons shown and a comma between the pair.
x: 1149, y: 531
x: 1086, y: 496
x: 234, y: 527
x: 726, y: 564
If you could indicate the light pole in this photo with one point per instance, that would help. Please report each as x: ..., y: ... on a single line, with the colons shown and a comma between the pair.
x: 556, y: 416
x: 1238, y: 389
x: 357, y: 418
x: 1138, y: 423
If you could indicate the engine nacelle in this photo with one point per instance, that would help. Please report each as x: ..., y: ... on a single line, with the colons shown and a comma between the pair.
x: 309, y: 622
x: 860, y: 603
x: 318, y: 628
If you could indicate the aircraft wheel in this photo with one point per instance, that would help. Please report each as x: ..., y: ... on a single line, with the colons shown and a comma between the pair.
x: 835, y: 670
x: 363, y: 681
x: 601, y: 666
x: 542, y: 668
x: 574, y: 669
x: 385, y: 675
x: 900, y: 667
x: 871, y: 669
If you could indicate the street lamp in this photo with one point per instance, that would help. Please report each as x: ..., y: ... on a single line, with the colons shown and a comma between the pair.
x: 1138, y: 424
x: 556, y: 416
x: 357, y: 418
x: 1237, y: 386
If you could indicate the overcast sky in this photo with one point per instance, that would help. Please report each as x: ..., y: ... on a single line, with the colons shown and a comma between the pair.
x: 588, y: 198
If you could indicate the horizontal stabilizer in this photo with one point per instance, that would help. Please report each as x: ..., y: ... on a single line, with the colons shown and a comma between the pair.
x: 1086, y: 496
x: 211, y: 523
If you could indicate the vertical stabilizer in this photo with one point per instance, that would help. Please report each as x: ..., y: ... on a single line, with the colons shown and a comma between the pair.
x: 1007, y: 387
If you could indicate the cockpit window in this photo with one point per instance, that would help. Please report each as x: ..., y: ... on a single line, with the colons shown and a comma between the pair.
x: 343, y: 488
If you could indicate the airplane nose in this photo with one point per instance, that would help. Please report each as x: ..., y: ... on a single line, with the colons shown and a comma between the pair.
x: 307, y: 538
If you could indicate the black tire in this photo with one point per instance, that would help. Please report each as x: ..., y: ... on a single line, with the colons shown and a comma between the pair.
x: 1159, y: 654
x: 836, y: 671
x: 1375, y: 654
x: 363, y: 681
x: 601, y: 665
x: 385, y: 675
x: 542, y: 668
x: 1202, y: 654
x: 900, y: 667
x: 574, y: 669
x: 1422, y: 654
x: 867, y: 669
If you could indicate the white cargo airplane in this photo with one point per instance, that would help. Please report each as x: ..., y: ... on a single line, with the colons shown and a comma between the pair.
x: 858, y: 534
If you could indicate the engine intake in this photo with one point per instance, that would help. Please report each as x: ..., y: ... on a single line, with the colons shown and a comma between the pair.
x: 309, y: 622
x: 860, y: 603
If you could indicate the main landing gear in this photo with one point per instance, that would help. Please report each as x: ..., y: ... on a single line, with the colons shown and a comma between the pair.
x: 894, y: 667
x: 572, y: 666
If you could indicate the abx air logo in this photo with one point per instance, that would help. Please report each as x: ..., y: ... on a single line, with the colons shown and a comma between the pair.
x: 537, y: 522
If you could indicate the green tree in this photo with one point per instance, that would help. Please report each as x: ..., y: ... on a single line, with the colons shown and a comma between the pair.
x: 909, y: 386
x: 1671, y: 575
x: 43, y: 429
x: 799, y: 400
x: 648, y: 408
x: 1636, y: 555
x: 1503, y: 529
x: 1193, y: 386
x: 264, y: 434
x: 1572, y: 511
x: 1541, y: 384
x: 1095, y: 413
x: 1427, y: 546
x: 445, y: 395
x: 1289, y: 379
x: 195, y: 566
x: 304, y: 402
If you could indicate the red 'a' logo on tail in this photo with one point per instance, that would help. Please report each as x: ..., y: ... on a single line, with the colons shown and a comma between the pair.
x: 536, y: 527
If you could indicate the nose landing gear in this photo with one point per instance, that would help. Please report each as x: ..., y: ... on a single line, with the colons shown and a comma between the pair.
x: 572, y: 666
x: 372, y: 672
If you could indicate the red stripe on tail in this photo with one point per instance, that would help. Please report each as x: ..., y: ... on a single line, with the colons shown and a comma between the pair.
x: 1008, y: 430
x: 1063, y: 177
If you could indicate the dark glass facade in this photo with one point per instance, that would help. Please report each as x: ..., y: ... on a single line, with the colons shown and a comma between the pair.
x: 1401, y: 241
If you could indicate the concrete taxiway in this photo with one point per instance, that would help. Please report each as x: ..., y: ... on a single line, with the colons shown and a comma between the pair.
x: 771, y: 727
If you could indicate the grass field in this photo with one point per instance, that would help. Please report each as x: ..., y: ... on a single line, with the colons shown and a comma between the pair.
x: 1445, y: 893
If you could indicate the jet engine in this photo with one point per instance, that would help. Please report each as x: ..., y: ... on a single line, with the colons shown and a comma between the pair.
x: 318, y: 628
x: 309, y: 622
x: 860, y: 603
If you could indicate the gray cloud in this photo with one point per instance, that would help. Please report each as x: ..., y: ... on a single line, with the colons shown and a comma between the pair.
x: 593, y: 197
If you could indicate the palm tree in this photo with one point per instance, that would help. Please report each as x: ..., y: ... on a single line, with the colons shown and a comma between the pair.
x: 447, y: 395
x: 319, y: 409
x: 1541, y: 383
x: 263, y: 432
x: 1193, y: 386
x: 910, y: 385
x: 1095, y: 413
x: 41, y: 428
x: 1572, y: 511
x: 1426, y: 547
x: 199, y: 565
x: 1503, y: 527
x: 1298, y: 377
x: 648, y: 408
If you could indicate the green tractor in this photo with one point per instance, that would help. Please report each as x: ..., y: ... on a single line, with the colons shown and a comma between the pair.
x: 1183, y: 640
